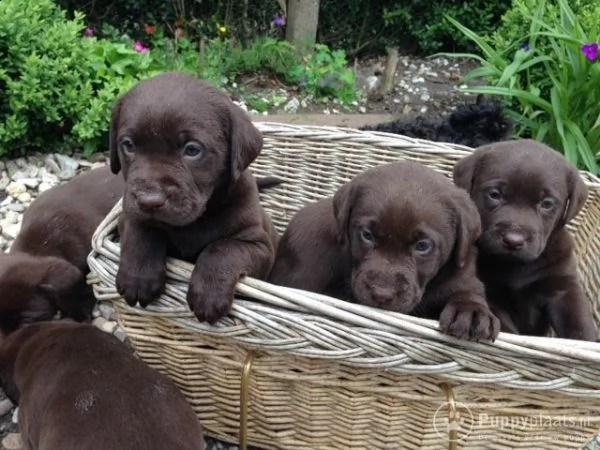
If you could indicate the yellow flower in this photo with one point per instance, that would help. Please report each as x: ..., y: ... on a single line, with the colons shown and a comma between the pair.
x: 223, y: 29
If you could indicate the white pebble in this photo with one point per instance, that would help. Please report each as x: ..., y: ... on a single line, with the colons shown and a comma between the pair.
x: 15, y: 188
x: 44, y: 186
x: 25, y: 197
x: 12, y: 217
x: 10, y: 231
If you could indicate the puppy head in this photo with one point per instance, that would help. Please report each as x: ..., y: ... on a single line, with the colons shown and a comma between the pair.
x: 178, y: 140
x: 31, y: 287
x: 401, y: 223
x: 524, y: 191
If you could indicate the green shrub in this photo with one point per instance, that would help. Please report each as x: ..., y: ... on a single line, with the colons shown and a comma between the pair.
x: 550, y: 83
x: 57, y: 85
x: 325, y: 73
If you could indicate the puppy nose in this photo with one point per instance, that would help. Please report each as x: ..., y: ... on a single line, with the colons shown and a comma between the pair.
x: 382, y: 295
x: 513, y: 240
x: 151, y: 200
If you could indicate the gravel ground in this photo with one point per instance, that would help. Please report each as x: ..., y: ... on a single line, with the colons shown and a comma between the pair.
x: 422, y: 85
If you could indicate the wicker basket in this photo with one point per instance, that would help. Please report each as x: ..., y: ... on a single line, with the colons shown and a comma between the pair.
x: 296, y: 370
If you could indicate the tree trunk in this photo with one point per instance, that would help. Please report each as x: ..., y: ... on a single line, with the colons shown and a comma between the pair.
x: 391, y: 64
x: 302, y: 21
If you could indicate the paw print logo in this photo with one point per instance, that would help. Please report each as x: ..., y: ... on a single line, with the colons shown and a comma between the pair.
x: 453, y: 422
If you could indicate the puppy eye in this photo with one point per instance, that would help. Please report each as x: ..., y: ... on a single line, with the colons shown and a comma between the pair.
x: 495, y: 194
x: 192, y: 150
x: 127, y: 145
x: 547, y: 203
x: 423, y: 247
x: 366, y: 236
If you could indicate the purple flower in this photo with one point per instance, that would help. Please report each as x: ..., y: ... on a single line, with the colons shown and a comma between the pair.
x: 279, y: 20
x: 139, y: 47
x: 88, y: 32
x: 590, y: 51
x: 525, y: 47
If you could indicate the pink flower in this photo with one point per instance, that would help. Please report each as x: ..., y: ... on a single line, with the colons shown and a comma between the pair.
x: 88, y: 32
x: 139, y: 47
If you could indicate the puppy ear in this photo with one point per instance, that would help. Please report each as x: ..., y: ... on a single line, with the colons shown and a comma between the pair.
x: 468, y: 228
x: 464, y: 170
x: 60, y: 280
x: 245, y: 142
x: 578, y: 193
x: 342, y: 209
x: 115, y: 163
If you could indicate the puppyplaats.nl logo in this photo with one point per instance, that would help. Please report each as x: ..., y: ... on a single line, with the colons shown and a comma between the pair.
x: 453, y: 421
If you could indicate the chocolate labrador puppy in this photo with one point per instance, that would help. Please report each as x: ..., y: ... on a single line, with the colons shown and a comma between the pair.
x: 526, y: 193
x: 400, y: 237
x: 79, y: 388
x: 184, y: 148
x: 46, y: 268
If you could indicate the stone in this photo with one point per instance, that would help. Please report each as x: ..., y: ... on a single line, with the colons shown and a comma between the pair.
x: 31, y: 183
x: 25, y: 197
x: 107, y: 311
x: 11, y: 168
x: 51, y: 165
x: 362, y: 110
x: 5, y: 406
x: 372, y: 82
x: 10, y: 231
x: 120, y: 334
x: 44, y: 187
x: 4, y: 182
x: 21, y: 162
x: 66, y: 175
x: 14, y: 189
x: 66, y: 163
x: 12, y: 441
x: 425, y: 97
x: 16, y: 207
x: 292, y: 106
x: 12, y: 216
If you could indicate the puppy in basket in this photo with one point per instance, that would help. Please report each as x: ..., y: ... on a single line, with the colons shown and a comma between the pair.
x: 399, y: 237
x: 526, y: 194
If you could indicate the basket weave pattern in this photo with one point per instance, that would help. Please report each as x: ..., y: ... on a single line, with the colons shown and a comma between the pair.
x: 327, y: 374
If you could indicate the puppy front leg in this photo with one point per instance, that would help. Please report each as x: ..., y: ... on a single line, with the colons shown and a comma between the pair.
x: 142, y: 274
x: 218, y: 269
x: 571, y: 315
x: 468, y: 316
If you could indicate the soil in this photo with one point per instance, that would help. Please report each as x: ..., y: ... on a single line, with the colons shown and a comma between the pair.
x: 422, y: 85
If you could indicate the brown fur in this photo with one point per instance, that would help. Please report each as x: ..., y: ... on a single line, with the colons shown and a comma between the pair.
x: 184, y: 148
x: 526, y: 193
x: 399, y: 237
x: 47, y: 264
x: 79, y: 388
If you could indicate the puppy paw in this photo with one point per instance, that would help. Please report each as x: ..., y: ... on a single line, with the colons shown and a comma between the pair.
x: 210, y: 302
x: 469, y: 320
x: 143, y: 286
